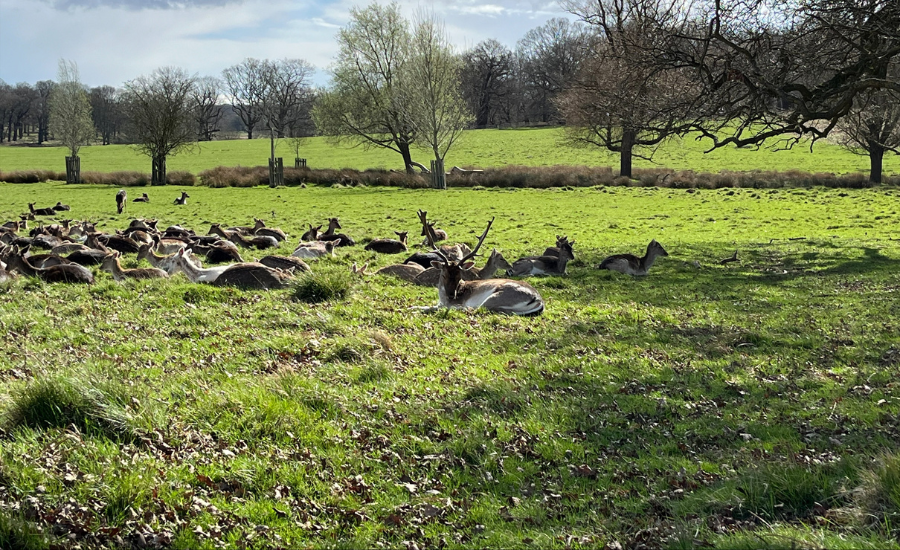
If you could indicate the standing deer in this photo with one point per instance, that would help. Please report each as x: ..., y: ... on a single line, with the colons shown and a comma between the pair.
x: 499, y: 295
x: 121, y: 199
x: 630, y: 264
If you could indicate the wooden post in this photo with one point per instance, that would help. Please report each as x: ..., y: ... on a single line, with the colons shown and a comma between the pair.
x: 299, y: 162
x: 438, y: 177
x: 73, y: 169
x: 276, y: 172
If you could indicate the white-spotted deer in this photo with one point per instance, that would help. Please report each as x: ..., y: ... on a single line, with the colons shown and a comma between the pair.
x: 499, y: 295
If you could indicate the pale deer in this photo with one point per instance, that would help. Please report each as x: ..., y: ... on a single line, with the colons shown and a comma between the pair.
x: 111, y: 264
x: 630, y: 264
x: 543, y: 265
x: 498, y: 295
x: 193, y: 272
x: 389, y: 246
x: 315, y: 249
x: 166, y: 263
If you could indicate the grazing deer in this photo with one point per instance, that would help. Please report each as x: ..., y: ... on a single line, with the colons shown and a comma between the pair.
x: 495, y: 262
x: 142, y: 198
x: 315, y: 249
x: 289, y: 264
x: 499, y: 295
x: 312, y: 234
x: 62, y: 273
x: 543, y: 265
x: 330, y: 235
x: 407, y: 272
x: 111, y: 264
x: 61, y: 207
x: 121, y: 200
x: 631, y: 264
x: 389, y: 246
x: 182, y: 200
x: 41, y: 211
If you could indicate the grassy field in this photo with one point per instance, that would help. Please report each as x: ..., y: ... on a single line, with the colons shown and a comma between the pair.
x: 747, y: 405
x: 479, y: 148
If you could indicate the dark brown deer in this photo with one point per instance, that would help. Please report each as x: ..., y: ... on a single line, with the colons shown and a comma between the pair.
x: 61, y: 207
x: 389, y: 246
x: 41, y: 211
x: 261, y: 230
x: 62, y: 273
x: 182, y: 200
x: 340, y: 238
x: 121, y: 200
x: 543, y: 265
x: 142, y: 198
x: 630, y: 264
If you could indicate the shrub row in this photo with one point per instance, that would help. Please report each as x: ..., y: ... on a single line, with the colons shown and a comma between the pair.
x: 535, y: 177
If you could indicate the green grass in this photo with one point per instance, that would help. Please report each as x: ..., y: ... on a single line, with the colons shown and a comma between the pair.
x: 478, y: 148
x: 741, y: 405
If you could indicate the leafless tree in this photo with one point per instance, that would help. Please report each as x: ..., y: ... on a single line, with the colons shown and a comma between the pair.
x: 206, y: 109
x: 106, y: 112
x: 245, y: 84
x: 42, y: 108
x: 286, y: 93
x: 7, y: 98
x: 70, y: 113
x: 161, y: 115
x: 21, y: 103
x: 872, y: 127
x: 549, y: 57
x: 487, y: 81
x: 362, y: 105
x: 622, y: 100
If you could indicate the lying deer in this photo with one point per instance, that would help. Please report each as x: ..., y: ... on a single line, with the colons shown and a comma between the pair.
x: 62, y: 273
x: 41, y: 211
x: 543, y: 265
x: 194, y: 272
x: 111, y: 264
x: 166, y: 263
x: 61, y: 207
x: 495, y: 262
x: 142, y: 198
x: 312, y: 234
x: 182, y: 200
x: 389, y: 246
x: 407, y: 272
x: 261, y: 230
x: 499, y: 295
x: 631, y: 264
x: 330, y: 235
x: 315, y: 249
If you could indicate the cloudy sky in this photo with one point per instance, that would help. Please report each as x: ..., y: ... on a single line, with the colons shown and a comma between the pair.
x: 114, y: 41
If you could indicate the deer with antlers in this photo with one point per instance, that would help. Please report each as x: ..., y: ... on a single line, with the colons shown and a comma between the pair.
x: 499, y: 295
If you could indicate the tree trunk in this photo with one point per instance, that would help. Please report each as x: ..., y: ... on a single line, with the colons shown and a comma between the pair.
x: 876, y: 155
x: 159, y: 171
x: 407, y: 157
x: 625, y: 156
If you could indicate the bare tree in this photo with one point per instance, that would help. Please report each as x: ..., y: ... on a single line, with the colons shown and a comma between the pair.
x: 433, y: 105
x: 287, y: 91
x: 622, y: 101
x: 206, y: 108
x: 106, y: 112
x: 245, y: 85
x: 7, y: 98
x: 549, y: 57
x: 872, y: 127
x: 363, y: 104
x: 42, y: 108
x: 23, y: 95
x: 487, y: 81
x: 159, y: 108
x: 70, y: 116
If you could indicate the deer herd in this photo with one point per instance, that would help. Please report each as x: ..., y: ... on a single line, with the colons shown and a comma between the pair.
x: 69, y: 249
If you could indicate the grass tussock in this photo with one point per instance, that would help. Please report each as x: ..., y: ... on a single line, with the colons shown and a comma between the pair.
x: 880, y: 493
x: 20, y: 534
x: 314, y: 288
x: 60, y: 402
x: 32, y: 176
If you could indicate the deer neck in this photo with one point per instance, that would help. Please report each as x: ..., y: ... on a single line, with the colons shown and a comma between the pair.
x: 649, y: 258
x: 19, y: 262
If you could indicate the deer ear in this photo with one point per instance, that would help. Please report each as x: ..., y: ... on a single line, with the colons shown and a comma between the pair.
x: 468, y: 265
x: 437, y: 264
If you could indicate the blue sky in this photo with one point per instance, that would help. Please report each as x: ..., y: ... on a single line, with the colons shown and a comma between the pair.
x: 114, y: 41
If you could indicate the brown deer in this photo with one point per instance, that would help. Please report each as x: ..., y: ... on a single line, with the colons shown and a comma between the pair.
x: 312, y: 234
x: 111, y: 264
x: 407, y: 272
x: 142, y: 198
x: 389, y: 246
x: 182, y: 200
x: 498, y: 295
x: 121, y: 200
x: 62, y: 273
x: 630, y: 264
x: 436, y: 235
x: 330, y: 235
x: 495, y: 262
x: 41, y: 211
x: 261, y: 230
x: 252, y: 276
x: 289, y: 264
x: 543, y: 265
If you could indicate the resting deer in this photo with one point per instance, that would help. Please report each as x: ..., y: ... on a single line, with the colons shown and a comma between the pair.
x: 631, y: 264
x: 499, y: 295
x: 389, y: 246
x: 61, y: 207
x: 407, y: 272
x: 543, y: 265
x: 495, y: 262
x: 261, y: 230
x: 289, y: 264
x: 193, y: 272
x: 259, y: 242
x: 435, y: 235
x: 312, y: 234
x: 315, y: 249
x: 121, y: 200
x: 142, y: 198
x: 41, y: 211
x: 182, y: 200
x: 554, y: 250
x: 62, y: 273
x: 330, y: 235
x: 252, y: 276
x: 166, y: 263
x: 111, y: 264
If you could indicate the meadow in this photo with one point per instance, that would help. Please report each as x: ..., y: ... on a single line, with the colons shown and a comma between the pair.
x: 478, y: 148
x: 742, y: 405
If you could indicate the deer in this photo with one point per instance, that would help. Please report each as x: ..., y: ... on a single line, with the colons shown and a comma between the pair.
x: 260, y: 242
x: 436, y: 235
x: 252, y: 276
x: 312, y: 234
x: 407, y: 272
x: 554, y: 250
x: 196, y: 274
x: 289, y: 264
x: 261, y: 230
x: 389, y: 246
x: 315, y: 249
x: 359, y: 271
x: 630, y: 264
x: 61, y: 273
x: 111, y: 264
x: 330, y: 235
x: 142, y: 198
x: 166, y: 263
x: 496, y: 261
x: 182, y: 200
x: 163, y: 245
x: 543, y: 265
x: 223, y: 251
x: 121, y: 201
x: 496, y: 295
x: 41, y: 211
x: 61, y: 207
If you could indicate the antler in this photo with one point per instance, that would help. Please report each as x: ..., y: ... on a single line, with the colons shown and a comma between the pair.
x: 480, y: 242
x: 423, y: 217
